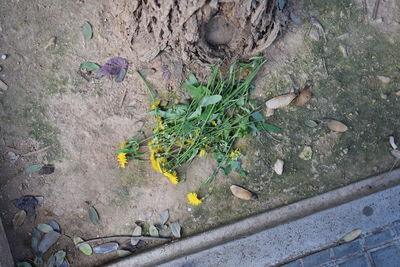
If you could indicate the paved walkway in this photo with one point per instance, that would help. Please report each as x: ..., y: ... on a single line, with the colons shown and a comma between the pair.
x: 305, y: 233
x: 377, y: 215
x: 380, y: 249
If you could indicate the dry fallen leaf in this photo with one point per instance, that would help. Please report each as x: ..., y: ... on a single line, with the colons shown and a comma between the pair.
x: 269, y: 112
x: 392, y: 142
x: 242, y: 193
x: 303, y: 97
x: 19, y: 219
x: 352, y: 235
x: 305, y: 94
x: 395, y: 153
x: 280, y: 101
x: 335, y: 125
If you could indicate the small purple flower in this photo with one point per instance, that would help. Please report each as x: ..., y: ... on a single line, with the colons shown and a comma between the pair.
x: 114, y: 66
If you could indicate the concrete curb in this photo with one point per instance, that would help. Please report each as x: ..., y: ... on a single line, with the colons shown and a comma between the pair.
x: 5, y: 253
x: 261, y: 222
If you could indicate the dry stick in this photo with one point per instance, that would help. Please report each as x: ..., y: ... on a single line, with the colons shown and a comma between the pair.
x: 375, y: 11
x: 121, y: 236
x: 35, y: 152
x: 123, y: 97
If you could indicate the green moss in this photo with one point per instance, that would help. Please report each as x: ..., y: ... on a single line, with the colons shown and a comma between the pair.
x: 347, y: 90
x: 56, y: 84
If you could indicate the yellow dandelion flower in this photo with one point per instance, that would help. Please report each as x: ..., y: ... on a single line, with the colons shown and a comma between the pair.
x: 122, y: 159
x: 155, y: 104
x: 172, y: 176
x: 202, y: 153
x: 234, y: 153
x: 194, y: 199
x: 154, y: 163
x: 160, y: 124
x: 123, y: 144
x: 214, y: 123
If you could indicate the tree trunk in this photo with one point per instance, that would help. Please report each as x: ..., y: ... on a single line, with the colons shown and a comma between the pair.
x: 199, y: 31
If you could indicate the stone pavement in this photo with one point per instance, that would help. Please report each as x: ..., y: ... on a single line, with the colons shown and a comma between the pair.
x: 380, y: 248
x: 305, y: 233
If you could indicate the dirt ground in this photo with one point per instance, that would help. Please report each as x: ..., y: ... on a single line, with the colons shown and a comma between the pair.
x: 355, y: 68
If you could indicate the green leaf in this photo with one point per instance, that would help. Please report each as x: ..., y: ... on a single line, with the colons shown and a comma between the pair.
x: 59, y: 255
x: 240, y: 102
x: 270, y: 127
x: 136, y: 232
x: 195, y: 114
x: 192, y: 79
x: 34, y: 168
x: 23, y: 264
x: 352, y: 235
x: 89, y: 66
x: 123, y: 253
x: 164, y: 217
x: 94, y: 216
x: 210, y: 100
x: 176, y: 229
x: 196, y: 92
x: 45, y: 228
x: 153, y: 231
x: 257, y: 116
x: 311, y: 123
x: 228, y: 169
x: 85, y: 248
x: 87, y: 30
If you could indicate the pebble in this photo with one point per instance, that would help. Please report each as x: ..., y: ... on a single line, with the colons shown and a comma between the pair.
x: 3, y: 56
x: 278, y: 167
x: 384, y: 96
x: 343, y: 50
x: 314, y: 34
x: 384, y: 79
x: 398, y: 93
x: 13, y: 157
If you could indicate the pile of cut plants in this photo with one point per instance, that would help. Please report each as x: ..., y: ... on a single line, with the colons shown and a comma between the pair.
x: 217, y: 114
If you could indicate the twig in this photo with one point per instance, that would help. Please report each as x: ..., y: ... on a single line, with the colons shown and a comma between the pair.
x: 35, y: 152
x: 123, y: 97
x: 121, y: 236
x: 326, y: 69
x: 375, y: 11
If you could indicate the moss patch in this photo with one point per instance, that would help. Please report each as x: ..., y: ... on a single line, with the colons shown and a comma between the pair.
x: 346, y: 88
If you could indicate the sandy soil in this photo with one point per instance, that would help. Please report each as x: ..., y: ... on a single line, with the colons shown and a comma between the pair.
x: 48, y: 105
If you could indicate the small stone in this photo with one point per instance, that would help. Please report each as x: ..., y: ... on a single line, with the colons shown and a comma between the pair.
x: 314, y: 34
x: 398, y: 93
x: 278, y: 167
x: 306, y: 154
x: 3, y: 56
x: 345, y: 151
x: 343, y: 49
x: 13, y: 157
x: 384, y: 96
x: 384, y: 79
